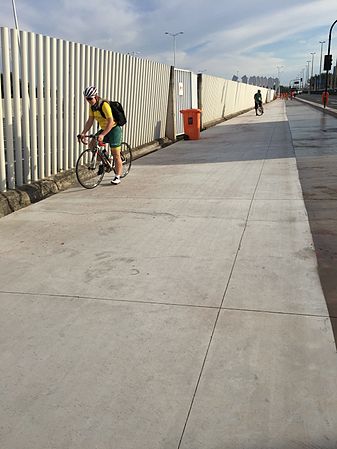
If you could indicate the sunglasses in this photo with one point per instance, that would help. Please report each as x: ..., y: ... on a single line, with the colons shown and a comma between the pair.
x: 89, y: 98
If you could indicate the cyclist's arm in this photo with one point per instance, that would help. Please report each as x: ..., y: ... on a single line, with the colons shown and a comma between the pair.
x: 109, y: 125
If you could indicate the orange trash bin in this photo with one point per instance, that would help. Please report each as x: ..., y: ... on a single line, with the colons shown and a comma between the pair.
x: 191, y: 123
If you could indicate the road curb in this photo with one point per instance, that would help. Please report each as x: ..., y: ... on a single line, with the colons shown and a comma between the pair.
x: 319, y: 106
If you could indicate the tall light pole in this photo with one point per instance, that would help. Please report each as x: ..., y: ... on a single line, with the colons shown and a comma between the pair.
x: 320, y: 65
x: 307, y: 74
x: 279, y: 67
x: 15, y: 15
x: 174, y: 35
x: 312, y: 68
x: 329, y: 57
x: 16, y: 22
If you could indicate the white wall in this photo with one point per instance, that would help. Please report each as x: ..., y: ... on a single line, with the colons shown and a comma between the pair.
x: 221, y: 97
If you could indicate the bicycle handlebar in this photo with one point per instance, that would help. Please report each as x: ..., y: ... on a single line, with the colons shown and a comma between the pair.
x: 90, y: 136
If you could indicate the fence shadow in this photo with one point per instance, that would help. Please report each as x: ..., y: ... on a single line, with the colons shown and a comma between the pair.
x: 256, y: 141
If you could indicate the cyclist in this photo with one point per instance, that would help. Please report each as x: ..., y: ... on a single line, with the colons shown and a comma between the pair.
x: 109, y: 131
x: 257, y: 100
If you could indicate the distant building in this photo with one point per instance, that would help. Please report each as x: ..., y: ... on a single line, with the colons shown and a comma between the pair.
x: 263, y: 81
x: 270, y: 82
x: 260, y: 81
x: 252, y: 80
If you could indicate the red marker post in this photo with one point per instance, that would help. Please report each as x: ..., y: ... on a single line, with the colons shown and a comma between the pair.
x: 325, y: 98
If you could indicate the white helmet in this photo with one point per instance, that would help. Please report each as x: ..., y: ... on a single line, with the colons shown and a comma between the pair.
x: 90, y: 91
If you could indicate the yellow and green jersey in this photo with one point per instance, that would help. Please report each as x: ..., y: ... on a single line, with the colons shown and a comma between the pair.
x: 98, y: 116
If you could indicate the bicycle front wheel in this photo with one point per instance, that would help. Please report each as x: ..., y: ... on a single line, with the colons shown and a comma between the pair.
x: 89, y: 169
x: 260, y: 110
x: 126, y: 156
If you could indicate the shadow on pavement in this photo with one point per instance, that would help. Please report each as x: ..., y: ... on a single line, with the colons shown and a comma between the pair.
x: 220, y: 145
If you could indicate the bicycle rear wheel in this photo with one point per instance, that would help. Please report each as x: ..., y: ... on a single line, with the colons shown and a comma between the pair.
x: 126, y: 156
x: 89, y: 169
x: 260, y: 110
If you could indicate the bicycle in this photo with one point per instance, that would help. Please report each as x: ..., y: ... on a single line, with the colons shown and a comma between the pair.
x: 259, y: 110
x: 92, y: 164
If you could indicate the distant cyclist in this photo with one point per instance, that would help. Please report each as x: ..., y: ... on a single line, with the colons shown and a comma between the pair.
x: 109, y: 133
x: 257, y: 100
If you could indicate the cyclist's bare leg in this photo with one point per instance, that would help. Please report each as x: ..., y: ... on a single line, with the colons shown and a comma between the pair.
x: 116, y: 152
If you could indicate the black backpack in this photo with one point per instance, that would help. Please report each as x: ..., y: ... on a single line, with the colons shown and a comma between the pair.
x: 117, y: 111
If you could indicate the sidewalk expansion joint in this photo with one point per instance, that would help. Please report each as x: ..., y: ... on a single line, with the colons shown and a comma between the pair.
x: 252, y: 199
x: 95, y: 298
x: 278, y: 312
x: 170, y: 304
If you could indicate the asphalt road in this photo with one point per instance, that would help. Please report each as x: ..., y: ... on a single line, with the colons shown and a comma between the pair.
x: 317, y: 98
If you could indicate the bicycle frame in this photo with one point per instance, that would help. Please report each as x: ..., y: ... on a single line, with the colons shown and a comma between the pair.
x: 98, y: 148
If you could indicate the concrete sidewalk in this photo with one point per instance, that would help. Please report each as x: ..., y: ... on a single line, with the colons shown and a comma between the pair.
x: 180, y: 309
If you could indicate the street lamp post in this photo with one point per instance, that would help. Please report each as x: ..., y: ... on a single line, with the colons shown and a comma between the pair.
x: 307, y: 82
x: 174, y: 35
x: 320, y: 65
x: 327, y: 69
x: 15, y: 15
x: 302, y: 73
x: 312, y: 69
x: 16, y: 21
x: 279, y: 67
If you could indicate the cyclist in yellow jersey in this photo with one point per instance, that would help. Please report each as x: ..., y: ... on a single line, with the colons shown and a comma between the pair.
x: 109, y: 131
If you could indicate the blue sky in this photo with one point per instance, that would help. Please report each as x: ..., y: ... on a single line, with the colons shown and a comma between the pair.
x: 251, y: 38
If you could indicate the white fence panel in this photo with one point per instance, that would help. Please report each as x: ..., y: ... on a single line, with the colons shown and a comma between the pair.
x: 194, y: 90
x: 183, y: 93
x: 2, y: 149
x: 221, y: 98
x: 17, y: 129
x: 9, y: 138
x: 43, y: 106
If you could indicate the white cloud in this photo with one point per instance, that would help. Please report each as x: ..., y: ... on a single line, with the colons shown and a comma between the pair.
x: 220, y: 37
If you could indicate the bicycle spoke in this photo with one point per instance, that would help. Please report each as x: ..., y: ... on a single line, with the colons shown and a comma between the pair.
x: 89, y: 169
x: 126, y: 156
